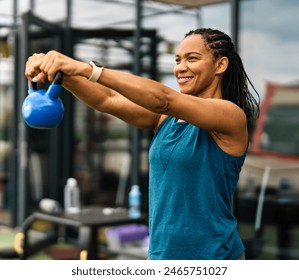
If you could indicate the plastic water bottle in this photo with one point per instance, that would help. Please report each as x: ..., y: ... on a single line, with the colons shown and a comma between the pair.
x: 71, y: 196
x: 135, y: 202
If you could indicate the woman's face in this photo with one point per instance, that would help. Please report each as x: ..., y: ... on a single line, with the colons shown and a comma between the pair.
x: 195, y: 68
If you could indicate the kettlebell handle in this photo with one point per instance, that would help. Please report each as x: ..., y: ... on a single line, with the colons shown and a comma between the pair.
x: 57, y: 81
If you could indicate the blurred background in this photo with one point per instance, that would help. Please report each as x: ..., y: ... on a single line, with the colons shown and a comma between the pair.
x: 105, y: 155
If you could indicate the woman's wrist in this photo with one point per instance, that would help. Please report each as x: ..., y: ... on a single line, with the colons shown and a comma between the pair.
x: 86, y: 70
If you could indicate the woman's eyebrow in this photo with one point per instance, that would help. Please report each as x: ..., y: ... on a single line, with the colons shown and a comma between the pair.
x: 189, y: 53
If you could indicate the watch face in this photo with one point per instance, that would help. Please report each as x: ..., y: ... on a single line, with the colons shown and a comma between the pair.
x: 97, y: 64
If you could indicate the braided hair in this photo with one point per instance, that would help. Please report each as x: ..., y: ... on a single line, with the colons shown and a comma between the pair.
x: 234, y: 83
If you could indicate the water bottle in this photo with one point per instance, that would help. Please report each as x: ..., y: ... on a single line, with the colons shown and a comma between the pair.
x: 135, y: 202
x: 71, y: 196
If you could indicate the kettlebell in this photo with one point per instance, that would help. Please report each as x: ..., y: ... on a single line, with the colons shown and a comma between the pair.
x: 43, y: 109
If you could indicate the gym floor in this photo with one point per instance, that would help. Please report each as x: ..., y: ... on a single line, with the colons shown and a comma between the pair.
x: 66, y: 251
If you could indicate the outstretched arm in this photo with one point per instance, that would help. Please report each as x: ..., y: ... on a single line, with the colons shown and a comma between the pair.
x: 144, y: 102
x: 94, y: 95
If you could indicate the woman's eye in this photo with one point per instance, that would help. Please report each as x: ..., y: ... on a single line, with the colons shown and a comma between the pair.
x: 192, y: 58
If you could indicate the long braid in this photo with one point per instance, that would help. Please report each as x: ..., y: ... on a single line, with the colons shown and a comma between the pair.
x: 234, y: 82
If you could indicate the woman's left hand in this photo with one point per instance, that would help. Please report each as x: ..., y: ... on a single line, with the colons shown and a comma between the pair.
x: 41, y: 67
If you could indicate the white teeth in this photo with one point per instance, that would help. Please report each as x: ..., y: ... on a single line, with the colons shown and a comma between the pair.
x: 184, y: 79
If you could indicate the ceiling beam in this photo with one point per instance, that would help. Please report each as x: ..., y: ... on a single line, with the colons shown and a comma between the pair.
x: 191, y: 3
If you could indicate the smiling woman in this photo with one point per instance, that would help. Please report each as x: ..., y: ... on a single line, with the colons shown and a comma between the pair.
x: 194, y: 163
x: 195, y: 67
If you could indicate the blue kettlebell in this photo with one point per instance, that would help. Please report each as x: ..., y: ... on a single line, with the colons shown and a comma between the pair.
x: 43, y: 109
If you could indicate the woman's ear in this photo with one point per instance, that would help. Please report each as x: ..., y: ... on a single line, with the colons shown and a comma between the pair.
x: 221, y: 65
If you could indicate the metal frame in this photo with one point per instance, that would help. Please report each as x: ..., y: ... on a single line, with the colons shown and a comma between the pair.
x: 61, y: 138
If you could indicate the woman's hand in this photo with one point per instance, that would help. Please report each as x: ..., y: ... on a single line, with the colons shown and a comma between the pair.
x: 41, y: 67
x: 32, y: 71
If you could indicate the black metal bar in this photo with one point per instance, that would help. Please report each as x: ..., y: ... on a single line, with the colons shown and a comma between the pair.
x: 67, y: 128
x: 13, y: 162
x: 22, y: 186
x: 235, y: 7
x: 135, y: 149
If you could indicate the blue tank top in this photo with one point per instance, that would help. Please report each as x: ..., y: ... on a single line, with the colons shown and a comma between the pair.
x: 191, y: 188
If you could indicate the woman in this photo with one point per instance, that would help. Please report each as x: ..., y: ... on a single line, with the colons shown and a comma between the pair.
x: 200, y: 141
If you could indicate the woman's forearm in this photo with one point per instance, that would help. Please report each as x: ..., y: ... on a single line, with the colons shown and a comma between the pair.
x: 92, y: 94
x: 104, y: 99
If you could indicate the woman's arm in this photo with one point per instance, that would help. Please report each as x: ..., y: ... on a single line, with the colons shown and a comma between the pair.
x: 106, y: 100
x: 142, y: 102
x: 42, y: 67
x: 225, y: 121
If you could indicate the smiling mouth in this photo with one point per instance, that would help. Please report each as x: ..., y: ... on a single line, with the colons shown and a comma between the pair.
x: 183, y: 80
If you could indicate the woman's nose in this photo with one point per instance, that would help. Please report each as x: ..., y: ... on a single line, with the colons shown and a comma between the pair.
x: 181, y: 67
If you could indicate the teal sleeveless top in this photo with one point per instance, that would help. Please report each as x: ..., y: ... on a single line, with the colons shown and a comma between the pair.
x: 191, y: 188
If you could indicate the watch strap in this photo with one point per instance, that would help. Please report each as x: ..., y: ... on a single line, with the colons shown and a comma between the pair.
x: 96, y: 72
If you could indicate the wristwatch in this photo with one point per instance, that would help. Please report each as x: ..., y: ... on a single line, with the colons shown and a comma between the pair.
x: 97, y: 69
